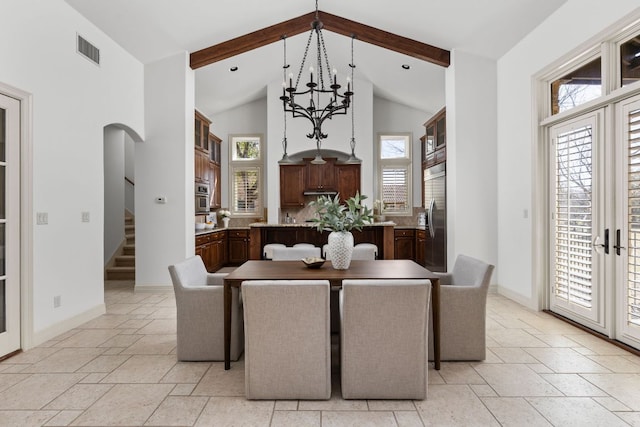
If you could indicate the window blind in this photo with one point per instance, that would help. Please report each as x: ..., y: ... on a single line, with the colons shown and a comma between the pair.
x: 633, y: 249
x: 395, y: 188
x: 245, y: 192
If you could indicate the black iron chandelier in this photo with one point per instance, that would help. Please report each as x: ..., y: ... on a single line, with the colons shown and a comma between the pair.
x: 319, y: 100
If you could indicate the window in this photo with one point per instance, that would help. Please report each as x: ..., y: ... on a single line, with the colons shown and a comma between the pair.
x: 630, y: 61
x: 577, y: 87
x: 245, y: 175
x: 394, y: 171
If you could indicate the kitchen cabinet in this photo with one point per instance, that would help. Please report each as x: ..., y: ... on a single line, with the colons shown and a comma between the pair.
x: 203, y: 248
x: 421, y: 245
x: 404, y: 243
x: 215, y: 177
x: 320, y: 177
x: 434, y: 140
x: 347, y: 180
x: 238, y: 246
x: 201, y: 167
x: 218, y: 250
x: 201, y: 132
x: 292, y: 185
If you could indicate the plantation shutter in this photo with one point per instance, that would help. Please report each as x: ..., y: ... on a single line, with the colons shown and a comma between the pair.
x: 245, y: 195
x: 633, y: 185
x: 395, y: 188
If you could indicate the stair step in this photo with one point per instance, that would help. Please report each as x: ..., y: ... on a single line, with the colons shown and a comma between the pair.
x: 125, y: 261
x: 129, y: 220
x: 129, y: 229
x: 131, y: 238
x: 129, y: 250
x: 121, y: 273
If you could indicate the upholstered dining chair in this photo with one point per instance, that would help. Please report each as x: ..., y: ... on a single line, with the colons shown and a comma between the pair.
x: 294, y: 253
x: 200, y: 313
x: 287, y: 339
x: 383, y: 333
x: 463, y: 302
x: 361, y: 251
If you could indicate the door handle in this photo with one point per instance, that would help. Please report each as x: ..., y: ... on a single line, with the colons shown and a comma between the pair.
x: 617, y: 245
x: 605, y: 245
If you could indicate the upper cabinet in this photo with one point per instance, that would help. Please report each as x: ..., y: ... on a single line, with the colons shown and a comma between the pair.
x: 201, y: 140
x: 434, y: 140
x: 347, y: 180
x: 321, y: 177
x: 292, y: 185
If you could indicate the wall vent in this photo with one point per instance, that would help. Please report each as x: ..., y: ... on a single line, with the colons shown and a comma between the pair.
x: 88, y: 50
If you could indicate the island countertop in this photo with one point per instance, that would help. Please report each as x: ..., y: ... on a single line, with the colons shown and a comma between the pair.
x: 312, y: 224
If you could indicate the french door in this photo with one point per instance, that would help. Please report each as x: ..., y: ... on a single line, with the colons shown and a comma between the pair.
x: 579, y: 239
x: 595, y: 220
x: 9, y: 225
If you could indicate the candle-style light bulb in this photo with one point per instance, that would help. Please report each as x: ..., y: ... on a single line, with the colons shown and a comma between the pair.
x: 290, y: 79
x: 335, y: 76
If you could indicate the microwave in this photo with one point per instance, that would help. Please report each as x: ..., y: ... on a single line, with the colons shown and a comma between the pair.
x: 202, y: 199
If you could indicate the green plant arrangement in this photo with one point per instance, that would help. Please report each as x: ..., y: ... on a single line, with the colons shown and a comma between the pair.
x: 334, y: 216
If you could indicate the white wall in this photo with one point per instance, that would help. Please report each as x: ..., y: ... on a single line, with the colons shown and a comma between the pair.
x: 339, y: 136
x: 164, y: 167
x: 114, y: 141
x: 392, y: 117
x: 249, y: 118
x: 569, y: 27
x: 73, y: 100
x: 472, y: 224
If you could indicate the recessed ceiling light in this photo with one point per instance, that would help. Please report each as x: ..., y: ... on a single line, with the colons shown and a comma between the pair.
x: 405, y: 66
x: 234, y: 68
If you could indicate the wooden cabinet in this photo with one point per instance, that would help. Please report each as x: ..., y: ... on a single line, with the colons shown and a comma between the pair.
x: 238, y: 246
x: 347, y: 180
x: 320, y: 177
x: 201, y: 167
x: 421, y: 245
x: 404, y: 243
x: 434, y: 140
x: 203, y: 248
x: 292, y: 186
x: 201, y: 132
x: 215, y: 176
x: 218, y: 250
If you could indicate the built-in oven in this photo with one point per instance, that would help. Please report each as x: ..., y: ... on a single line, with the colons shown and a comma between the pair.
x: 202, y: 199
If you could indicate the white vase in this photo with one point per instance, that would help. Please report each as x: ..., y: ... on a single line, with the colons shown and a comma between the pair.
x: 225, y: 221
x: 340, y: 249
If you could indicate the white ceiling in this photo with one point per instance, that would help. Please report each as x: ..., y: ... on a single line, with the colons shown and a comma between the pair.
x: 154, y: 29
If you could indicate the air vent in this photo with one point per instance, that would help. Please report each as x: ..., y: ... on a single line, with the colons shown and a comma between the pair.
x: 88, y: 50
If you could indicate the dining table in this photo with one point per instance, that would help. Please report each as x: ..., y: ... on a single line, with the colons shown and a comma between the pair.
x: 297, y: 270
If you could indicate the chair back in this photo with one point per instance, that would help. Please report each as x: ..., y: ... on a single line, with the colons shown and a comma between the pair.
x: 468, y: 271
x: 291, y: 253
x: 287, y: 339
x: 190, y: 272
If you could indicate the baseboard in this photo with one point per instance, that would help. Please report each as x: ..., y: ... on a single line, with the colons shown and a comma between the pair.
x: 66, y: 325
x: 527, y: 302
x: 152, y: 288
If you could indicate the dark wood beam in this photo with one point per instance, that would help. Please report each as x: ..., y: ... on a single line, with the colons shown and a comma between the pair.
x: 332, y: 23
x: 384, y: 39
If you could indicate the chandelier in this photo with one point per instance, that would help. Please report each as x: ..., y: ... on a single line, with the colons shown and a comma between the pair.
x: 319, y: 99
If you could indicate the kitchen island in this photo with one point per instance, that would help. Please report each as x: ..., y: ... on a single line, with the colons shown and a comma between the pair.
x: 380, y: 234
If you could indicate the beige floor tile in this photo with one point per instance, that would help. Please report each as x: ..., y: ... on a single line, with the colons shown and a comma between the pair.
x: 408, y: 419
x: 286, y: 405
x: 63, y: 418
x: 106, y: 321
x: 391, y: 405
x: 122, y: 340
x: 7, y: 380
x: 624, y: 387
x: 454, y: 405
x: 79, y: 397
x: 539, y: 368
x: 65, y: 360
x: 514, y: 411
x: 186, y: 372
x: 358, y: 419
x: 159, y: 326
x: 336, y: 403
x: 177, y: 411
x: 295, y: 419
x: 617, y: 364
x: 460, y: 373
x: 218, y: 382
x: 611, y: 404
x: 434, y: 377
x: 141, y: 369
x: 134, y: 324
x: 631, y: 418
x: 119, y: 308
x: 515, y: 338
x: 556, y: 340
x: 573, y: 385
x: 105, y: 363
x: 93, y: 378
x: 566, y: 360
x: 597, y: 345
x: 483, y: 390
x: 235, y: 411
x: 37, y: 390
x: 516, y: 380
x: 183, y: 390
x: 152, y: 344
x: 34, y: 355
x: 575, y: 411
x: 25, y: 418
x: 125, y: 405
x: 514, y: 355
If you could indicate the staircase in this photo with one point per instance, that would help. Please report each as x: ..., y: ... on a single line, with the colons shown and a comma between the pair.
x: 124, y: 265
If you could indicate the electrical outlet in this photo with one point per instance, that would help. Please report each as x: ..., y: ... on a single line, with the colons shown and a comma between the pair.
x: 57, y: 301
x: 85, y: 217
x: 42, y: 218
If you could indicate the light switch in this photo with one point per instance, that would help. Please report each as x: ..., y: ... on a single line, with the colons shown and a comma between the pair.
x: 161, y: 199
x: 42, y: 218
x: 85, y: 217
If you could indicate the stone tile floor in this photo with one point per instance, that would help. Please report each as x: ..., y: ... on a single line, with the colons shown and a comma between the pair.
x: 120, y: 369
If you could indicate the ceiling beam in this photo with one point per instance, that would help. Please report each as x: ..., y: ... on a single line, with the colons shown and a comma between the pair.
x: 332, y: 23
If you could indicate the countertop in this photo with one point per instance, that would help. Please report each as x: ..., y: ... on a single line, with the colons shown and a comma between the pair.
x: 311, y: 224
x: 307, y: 224
x: 216, y: 230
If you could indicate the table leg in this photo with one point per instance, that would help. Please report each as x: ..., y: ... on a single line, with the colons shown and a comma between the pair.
x: 435, y: 305
x: 227, y: 325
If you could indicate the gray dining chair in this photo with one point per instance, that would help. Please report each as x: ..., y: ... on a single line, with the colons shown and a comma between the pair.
x: 200, y: 313
x: 463, y: 302
x: 287, y: 339
x: 291, y: 253
x: 383, y: 338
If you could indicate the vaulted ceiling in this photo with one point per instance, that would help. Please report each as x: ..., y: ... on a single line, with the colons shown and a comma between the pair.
x: 152, y: 29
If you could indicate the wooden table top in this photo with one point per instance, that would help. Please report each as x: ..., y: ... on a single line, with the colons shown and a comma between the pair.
x: 296, y: 270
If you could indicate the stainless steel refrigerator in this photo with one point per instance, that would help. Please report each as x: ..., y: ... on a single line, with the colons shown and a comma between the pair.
x: 435, y: 196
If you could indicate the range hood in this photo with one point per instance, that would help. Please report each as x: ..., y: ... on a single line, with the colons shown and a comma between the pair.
x: 320, y: 193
